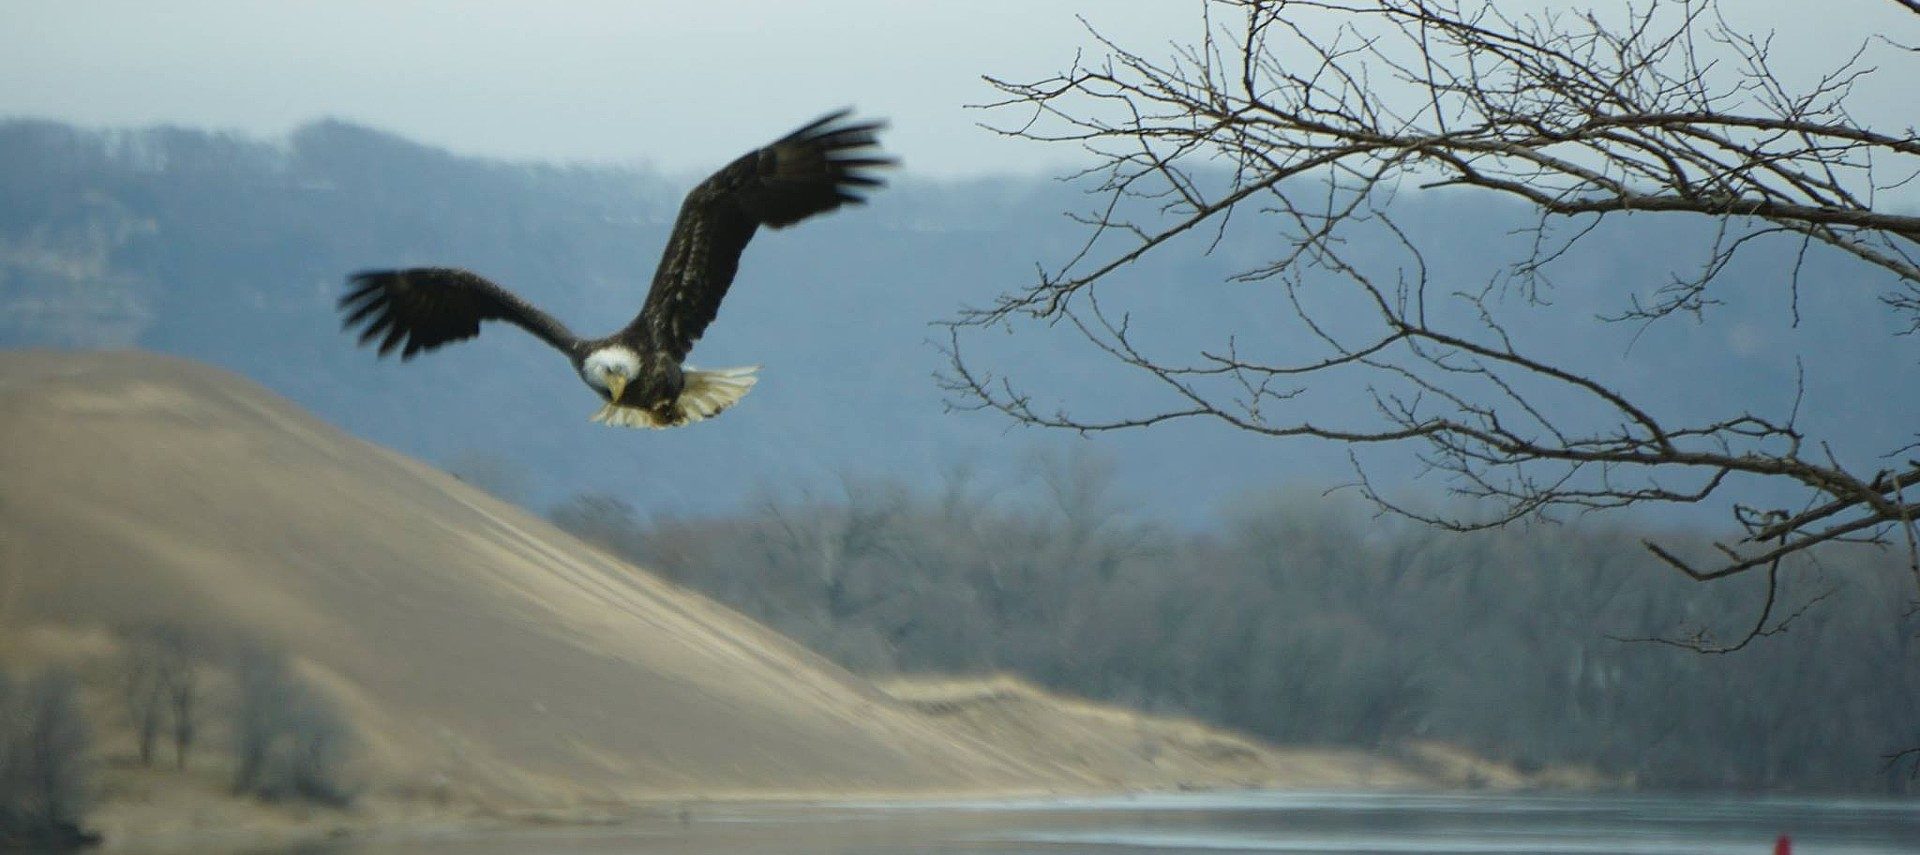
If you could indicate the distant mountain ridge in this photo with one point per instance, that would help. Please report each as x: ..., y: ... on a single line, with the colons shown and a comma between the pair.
x: 232, y: 251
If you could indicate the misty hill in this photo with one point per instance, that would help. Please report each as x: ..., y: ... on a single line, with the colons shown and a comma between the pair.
x: 478, y: 643
x: 476, y: 652
x: 232, y: 251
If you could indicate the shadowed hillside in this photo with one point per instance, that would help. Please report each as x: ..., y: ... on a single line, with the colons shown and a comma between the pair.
x: 476, y: 642
x: 478, y: 654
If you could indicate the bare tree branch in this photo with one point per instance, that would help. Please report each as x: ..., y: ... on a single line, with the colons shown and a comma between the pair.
x: 1699, y: 641
x: 1316, y: 116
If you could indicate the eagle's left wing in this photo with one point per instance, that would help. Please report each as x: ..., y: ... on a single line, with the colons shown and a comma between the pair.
x: 813, y: 170
x: 423, y: 308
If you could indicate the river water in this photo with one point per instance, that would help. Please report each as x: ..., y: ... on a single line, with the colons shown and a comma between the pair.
x: 1255, y: 822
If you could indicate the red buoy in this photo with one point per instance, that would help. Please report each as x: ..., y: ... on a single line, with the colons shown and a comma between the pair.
x: 1783, y: 846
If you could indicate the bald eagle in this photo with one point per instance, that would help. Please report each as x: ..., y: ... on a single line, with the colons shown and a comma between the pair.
x: 638, y: 370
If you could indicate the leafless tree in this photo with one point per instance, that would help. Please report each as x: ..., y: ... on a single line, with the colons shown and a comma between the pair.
x: 289, y: 741
x: 1310, y: 120
x: 183, y: 693
x: 44, y: 767
x: 144, y: 689
x: 160, y: 681
x: 263, y: 695
x: 839, y: 542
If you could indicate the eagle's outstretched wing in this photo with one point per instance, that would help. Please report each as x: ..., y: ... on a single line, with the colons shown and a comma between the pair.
x: 426, y: 307
x: 813, y: 170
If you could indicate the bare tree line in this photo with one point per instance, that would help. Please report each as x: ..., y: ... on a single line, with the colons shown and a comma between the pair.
x: 1312, y: 121
x: 1308, y: 620
x: 284, y: 740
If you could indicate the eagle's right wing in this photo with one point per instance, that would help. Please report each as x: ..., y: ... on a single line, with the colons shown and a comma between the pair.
x: 815, y: 169
x: 426, y: 307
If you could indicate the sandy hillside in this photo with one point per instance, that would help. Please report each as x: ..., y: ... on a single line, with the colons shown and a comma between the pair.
x: 1109, y: 748
x: 477, y: 650
x: 469, y: 639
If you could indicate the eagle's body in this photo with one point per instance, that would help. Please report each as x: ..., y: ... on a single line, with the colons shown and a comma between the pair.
x: 638, y: 370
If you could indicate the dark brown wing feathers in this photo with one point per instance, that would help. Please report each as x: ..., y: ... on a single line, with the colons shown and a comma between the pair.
x: 815, y: 169
x: 425, y: 307
x: 811, y: 171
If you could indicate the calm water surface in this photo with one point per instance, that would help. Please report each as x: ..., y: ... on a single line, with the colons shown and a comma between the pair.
x: 1209, y: 824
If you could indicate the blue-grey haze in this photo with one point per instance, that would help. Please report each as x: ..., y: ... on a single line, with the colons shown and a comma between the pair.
x: 232, y: 250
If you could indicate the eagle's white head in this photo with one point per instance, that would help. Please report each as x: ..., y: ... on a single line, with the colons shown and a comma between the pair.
x: 610, y: 369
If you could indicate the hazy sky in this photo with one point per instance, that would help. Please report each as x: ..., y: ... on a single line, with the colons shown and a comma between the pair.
x: 624, y: 80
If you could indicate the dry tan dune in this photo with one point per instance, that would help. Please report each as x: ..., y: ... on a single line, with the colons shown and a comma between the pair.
x: 1109, y: 748
x: 481, y: 654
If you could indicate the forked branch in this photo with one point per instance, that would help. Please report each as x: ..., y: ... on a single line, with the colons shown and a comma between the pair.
x: 1316, y: 117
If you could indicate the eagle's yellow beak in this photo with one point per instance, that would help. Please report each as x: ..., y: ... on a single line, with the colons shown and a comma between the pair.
x: 616, y: 384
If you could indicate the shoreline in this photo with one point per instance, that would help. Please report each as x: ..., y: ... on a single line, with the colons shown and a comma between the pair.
x: 713, y: 822
x: 390, y: 820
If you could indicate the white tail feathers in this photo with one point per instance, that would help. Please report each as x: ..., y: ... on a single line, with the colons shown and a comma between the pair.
x: 706, y: 394
x: 709, y: 392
